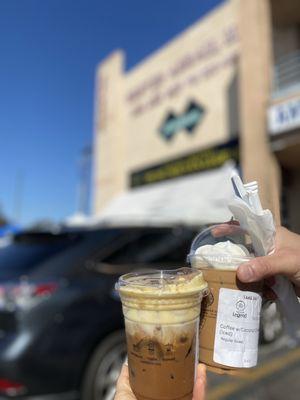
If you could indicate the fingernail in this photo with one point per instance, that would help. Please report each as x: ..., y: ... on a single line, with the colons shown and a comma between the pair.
x: 246, y: 273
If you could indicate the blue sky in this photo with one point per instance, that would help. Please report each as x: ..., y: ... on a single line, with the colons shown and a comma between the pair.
x: 48, y: 53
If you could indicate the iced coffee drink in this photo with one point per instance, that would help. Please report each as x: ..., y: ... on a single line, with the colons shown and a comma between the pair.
x: 161, y: 311
x: 230, y: 314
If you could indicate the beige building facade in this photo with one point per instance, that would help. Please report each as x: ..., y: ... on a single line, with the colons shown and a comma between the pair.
x: 202, y: 101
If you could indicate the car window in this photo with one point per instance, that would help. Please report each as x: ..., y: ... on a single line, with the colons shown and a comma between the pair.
x: 72, y: 262
x: 23, y: 254
x: 165, y: 246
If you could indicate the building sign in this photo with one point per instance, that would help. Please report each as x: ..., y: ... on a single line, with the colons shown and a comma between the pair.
x: 284, y: 116
x: 191, y: 163
x: 194, y: 65
x: 187, y: 121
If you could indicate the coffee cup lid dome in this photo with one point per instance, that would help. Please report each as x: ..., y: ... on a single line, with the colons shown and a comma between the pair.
x: 221, y: 246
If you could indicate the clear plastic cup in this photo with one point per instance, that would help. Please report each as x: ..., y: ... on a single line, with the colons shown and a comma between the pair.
x: 230, y: 314
x: 161, y: 311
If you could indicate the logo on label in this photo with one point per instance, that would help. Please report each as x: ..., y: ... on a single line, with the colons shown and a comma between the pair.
x: 240, y: 306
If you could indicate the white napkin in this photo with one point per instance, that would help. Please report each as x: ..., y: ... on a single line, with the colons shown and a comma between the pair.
x: 261, y: 229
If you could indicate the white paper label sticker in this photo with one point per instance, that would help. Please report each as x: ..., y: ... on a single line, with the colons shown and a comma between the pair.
x: 237, y: 328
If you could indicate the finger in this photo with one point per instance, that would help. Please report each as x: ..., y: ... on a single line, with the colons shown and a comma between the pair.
x: 200, y: 384
x: 124, y: 374
x: 285, y: 262
x: 123, y: 389
x: 229, y: 228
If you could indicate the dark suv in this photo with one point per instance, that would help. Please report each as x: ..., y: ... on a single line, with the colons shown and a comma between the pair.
x: 61, y: 324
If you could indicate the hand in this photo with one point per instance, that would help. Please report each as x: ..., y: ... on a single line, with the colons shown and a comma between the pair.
x: 285, y: 261
x: 124, y: 392
x: 200, y: 384
x: 231, y: 227
x: 123, y: 389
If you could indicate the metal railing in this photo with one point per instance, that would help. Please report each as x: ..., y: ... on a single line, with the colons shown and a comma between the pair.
x: 286, y: 77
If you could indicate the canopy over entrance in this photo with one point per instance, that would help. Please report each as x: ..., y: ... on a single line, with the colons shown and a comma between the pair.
x: 195, y: 199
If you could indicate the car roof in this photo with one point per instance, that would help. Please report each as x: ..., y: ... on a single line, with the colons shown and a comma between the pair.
x: 100, y: 228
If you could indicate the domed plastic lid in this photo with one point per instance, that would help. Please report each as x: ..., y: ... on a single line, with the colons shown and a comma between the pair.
x: 178, y: 282
x: 223, y: 246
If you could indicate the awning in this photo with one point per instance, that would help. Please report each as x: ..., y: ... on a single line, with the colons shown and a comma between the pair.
x: 195, y: 199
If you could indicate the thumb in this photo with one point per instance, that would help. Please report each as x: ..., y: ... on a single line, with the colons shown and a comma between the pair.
x: 285, y: 262
x: 123, y: 389
x: 200, y: 384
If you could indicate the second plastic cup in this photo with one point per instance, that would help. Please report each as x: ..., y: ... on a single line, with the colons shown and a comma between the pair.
x: 230, y: 314
x: 161, y: 310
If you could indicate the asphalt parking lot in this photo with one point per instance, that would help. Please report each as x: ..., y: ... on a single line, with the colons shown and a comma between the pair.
x: 276, y: 377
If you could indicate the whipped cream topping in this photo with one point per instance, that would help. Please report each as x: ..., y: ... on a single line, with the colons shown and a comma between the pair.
x: 222, y: 255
